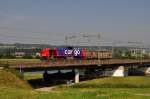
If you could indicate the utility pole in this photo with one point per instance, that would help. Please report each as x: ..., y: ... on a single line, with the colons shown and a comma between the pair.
x: 93, y: 36
x: 99, y: 37
x: 67, y: 38
x: 114, y: 45
x: 137, y: 44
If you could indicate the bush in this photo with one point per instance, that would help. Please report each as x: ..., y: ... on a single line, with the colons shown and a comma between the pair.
x: 37, y: 57
x: 1, y: 55
x: 27, y: 57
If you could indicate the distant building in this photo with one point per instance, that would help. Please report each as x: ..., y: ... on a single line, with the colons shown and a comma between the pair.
x: 140, y: 52
x: 19, y: 54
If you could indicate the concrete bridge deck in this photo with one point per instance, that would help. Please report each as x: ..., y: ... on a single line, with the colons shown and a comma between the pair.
x: 117, y: 66
x: 77, y: 63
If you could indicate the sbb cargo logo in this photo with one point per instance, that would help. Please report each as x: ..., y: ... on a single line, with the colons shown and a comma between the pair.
x: 68, y: 52
x: 74, y: 52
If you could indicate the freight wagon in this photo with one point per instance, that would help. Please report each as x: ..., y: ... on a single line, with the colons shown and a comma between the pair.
x: 98, y: 54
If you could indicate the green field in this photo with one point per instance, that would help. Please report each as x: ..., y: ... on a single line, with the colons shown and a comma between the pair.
x: 32, y: 76
x: 13, y: 87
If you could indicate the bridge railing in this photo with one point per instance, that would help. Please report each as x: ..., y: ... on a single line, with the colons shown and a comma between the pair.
x: 78, y: 62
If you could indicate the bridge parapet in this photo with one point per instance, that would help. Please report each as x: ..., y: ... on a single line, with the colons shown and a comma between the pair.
x: 66, y: 63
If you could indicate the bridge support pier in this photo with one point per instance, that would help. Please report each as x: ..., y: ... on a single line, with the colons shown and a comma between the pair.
x: 140, y: 71
x: 1, y: 68
x: 76, y: 75
x: 147, y: 71
x: 120, y: 72
x: 21, y: 72
x: 116, y: 72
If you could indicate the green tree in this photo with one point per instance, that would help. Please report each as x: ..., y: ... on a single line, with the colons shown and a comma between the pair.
x: 117, y: 53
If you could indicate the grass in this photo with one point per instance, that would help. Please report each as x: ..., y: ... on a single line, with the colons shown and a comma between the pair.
x: 10, y: 78
x: 16, y: 93
x: 117, y: 82
x: 32, y: 76
x: 12, y: 87
x: 73, y: 93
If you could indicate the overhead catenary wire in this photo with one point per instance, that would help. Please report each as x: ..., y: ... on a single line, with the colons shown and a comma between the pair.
x: 32, y: 36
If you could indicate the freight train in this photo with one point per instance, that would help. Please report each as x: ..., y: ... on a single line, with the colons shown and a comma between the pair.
x: 74, y: 53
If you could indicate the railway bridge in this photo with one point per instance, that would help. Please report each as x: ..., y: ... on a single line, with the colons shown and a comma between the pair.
x: 114, y: 67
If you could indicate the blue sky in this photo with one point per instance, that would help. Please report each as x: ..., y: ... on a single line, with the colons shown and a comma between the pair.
x: 49, y: 21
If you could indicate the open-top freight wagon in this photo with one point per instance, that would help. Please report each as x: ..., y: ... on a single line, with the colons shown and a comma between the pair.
x: 74, y: 53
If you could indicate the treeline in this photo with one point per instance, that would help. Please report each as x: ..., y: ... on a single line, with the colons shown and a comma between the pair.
x: 127, y: 54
